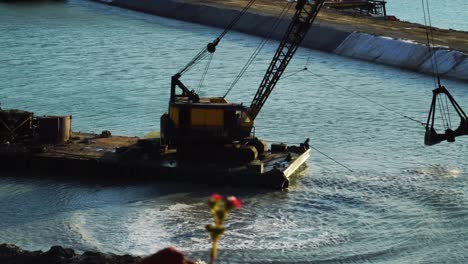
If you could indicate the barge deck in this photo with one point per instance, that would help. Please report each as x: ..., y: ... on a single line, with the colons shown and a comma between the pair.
x: 134, y: 159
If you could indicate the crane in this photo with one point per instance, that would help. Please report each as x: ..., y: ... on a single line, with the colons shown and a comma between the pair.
x: 194, y: 122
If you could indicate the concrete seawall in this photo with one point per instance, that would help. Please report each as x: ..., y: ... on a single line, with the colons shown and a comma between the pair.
x: 383, y: 50
x: 404, y: 54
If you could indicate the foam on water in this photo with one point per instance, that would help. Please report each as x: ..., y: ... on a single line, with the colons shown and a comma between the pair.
x: 79, y: 226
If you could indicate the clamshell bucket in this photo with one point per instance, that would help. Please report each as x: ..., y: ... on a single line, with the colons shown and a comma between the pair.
x: 432, y: 137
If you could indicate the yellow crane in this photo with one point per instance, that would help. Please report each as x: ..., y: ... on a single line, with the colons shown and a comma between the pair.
x: 195, y: 123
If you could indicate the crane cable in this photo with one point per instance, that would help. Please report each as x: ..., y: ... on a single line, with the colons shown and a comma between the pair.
x: 367, y: 98
x: 430, y: 41
x: 205, y: 72
x: 443, y: 105
x: 354, y: 93
x: 294, y: 73
x: 200, y: 55
x: 236, y: 19
x: 259, y: 48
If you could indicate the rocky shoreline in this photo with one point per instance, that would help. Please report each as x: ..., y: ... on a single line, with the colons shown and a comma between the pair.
x: 11, y: 254
x: 390, y: 43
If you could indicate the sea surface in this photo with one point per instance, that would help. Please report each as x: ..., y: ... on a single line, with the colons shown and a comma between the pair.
x: 443, y: 14
x: 110, y: 68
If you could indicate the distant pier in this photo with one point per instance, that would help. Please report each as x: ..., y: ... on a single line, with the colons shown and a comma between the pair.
x: 369, y: 7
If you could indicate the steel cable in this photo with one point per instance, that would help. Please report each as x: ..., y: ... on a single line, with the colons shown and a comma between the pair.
x: 448, y: 111
x: 367, y: 98
x: 201, y: 54
x: 435, y: 71
x: 205, y: 72
x: 258, y: 49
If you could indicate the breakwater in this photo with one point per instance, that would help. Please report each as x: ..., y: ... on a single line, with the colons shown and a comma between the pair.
x: 379, y: 49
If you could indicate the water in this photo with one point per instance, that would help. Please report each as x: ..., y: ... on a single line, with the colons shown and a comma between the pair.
x: 110, y: 68
x: 444, y: 14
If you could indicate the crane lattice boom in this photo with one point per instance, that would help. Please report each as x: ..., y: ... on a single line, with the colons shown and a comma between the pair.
x: 301, y: 22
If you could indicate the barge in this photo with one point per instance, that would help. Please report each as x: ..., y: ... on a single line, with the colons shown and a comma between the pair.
x: 202, y: 139
x: 25, y: 147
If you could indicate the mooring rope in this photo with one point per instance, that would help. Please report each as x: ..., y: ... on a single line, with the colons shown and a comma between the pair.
x: 337, y: 162
x: 316, y: 149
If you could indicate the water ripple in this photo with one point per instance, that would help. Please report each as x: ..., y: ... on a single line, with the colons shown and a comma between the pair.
x: 110, y: 68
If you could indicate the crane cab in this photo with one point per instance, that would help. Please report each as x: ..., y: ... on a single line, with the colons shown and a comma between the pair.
x: 205, y: 120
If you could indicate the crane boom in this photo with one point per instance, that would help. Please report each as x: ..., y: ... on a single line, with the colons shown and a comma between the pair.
x: 192, y: 120
x: 301, y: 22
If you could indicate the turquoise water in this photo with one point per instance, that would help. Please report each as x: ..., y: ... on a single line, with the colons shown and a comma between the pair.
x: 110, y: 68
x: 444, y: 14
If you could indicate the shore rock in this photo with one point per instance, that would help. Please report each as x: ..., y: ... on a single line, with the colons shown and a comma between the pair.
x: 11, y: 254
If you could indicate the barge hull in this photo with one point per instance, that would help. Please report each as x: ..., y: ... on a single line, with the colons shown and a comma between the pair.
x: 88, y: 156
